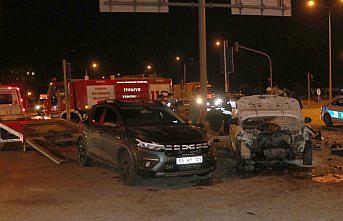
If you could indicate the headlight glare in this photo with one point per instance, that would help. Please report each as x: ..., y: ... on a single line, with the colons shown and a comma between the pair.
x: 199, y: 100
x: 148, y: 145
x: 218, y: 102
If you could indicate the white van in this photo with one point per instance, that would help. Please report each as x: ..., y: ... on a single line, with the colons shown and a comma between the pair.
x: 11, y: 107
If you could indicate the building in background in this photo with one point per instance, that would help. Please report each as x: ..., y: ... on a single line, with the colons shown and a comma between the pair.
x: 26, y: 79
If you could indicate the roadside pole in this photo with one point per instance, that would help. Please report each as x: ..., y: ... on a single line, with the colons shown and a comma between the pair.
x: 184, y: 72
x: 308, y: 88
x: 202, y: 56
x: 330, y: 57
x: 226, y: 75
x: 66, y: 90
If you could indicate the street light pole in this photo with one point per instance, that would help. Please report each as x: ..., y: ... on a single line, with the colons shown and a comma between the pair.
x: 66, y: 90
x: 86, y: 74
x: 184, y: 72
x: 312, y: 3
x: 202, y: 50
x: 308, y: 88
x: 264, y: 54
x: 330, y: 57
x: 226, y: 76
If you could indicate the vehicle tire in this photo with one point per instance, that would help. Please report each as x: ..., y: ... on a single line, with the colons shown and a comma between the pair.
x: 83, y: 157
x: 328, y: 120
x: 127, y: 170
x: 307, y: 153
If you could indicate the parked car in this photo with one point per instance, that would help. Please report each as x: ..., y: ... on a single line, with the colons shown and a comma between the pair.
x: 143, y: 139
x: 270, y: 129
x: 332, y: 112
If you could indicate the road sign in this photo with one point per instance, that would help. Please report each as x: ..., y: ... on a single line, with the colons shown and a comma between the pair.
x: 145, y: 6
x: 248, y: 7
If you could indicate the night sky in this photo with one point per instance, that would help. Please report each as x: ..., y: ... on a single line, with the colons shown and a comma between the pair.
x: 39, y: 33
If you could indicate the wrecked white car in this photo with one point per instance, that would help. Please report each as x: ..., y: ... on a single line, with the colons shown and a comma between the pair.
x: 269, y: 129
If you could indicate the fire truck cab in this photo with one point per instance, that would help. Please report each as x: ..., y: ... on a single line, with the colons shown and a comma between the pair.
x: 86, y: 93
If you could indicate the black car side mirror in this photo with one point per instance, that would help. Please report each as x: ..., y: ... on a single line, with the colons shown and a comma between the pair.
x: 308, y: 120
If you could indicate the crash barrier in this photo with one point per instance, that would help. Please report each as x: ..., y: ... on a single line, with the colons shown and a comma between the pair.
x: 41, y: 135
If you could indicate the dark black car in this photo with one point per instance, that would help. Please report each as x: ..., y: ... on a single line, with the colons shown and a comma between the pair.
x: 143, y: 139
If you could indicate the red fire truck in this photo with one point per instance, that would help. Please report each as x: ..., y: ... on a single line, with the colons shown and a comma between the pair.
x: 85, y: 93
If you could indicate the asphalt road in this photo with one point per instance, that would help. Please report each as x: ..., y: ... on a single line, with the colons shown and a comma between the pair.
x: 33, y: 188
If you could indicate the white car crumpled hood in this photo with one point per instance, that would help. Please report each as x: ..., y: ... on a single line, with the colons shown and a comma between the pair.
x: 268, y: 105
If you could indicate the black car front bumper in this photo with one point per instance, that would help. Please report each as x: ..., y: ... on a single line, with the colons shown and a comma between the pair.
x: 158, y: 164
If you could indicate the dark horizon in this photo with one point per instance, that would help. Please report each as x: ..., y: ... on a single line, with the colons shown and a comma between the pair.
x: 40, y: 33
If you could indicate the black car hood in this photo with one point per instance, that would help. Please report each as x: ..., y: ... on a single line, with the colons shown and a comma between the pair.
x: 176, y: 134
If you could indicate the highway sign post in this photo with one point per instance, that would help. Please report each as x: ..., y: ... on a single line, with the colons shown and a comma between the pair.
x: 241, y: 7
x: 144, y: 6
x: 245, y: 8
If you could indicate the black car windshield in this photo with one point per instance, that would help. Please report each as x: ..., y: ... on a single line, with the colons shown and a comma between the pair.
x: 149, y: 116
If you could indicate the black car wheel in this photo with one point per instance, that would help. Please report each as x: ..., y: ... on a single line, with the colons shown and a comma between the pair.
x: 308, y: 153
x: 84, y: 159
x: 328, y: 120
x: 127, y: 170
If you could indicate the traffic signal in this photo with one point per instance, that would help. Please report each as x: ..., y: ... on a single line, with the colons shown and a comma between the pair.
x: 230, y: 60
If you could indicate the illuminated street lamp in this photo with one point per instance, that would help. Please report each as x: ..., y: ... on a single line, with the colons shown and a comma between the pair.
x: 178, y: 59
x: 94, y: 66
x: 149, y: 67
x: 312, y: 4
x: 226, y: 76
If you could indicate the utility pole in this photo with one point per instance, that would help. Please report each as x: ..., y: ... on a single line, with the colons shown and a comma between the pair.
x: 202, y: 51
x: 308, y: 88
x: 330, y: 57
x: 66, y: 90
x: 184, y: 72
x: 226, y: 75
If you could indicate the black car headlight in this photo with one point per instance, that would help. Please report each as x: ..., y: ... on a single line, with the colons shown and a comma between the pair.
x: 149, y: 145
